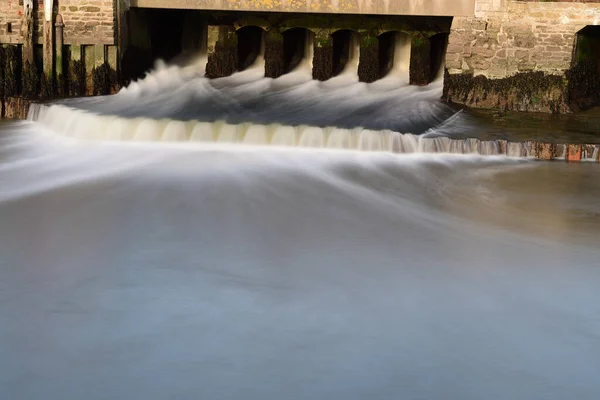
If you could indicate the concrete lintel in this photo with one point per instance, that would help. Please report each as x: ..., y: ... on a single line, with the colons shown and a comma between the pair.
x: 464, y: 8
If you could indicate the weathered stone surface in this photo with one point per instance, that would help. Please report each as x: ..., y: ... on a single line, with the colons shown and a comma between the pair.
x: 532, y: 36
x: 545, y: 151
x: 274, y: 55
x: 323, y: 56
x: 222, y: 54
x: 15, y: 108
x: 420, y: 60
x: 574, y: 152
x: 532, y: 91
x: 368, y: 65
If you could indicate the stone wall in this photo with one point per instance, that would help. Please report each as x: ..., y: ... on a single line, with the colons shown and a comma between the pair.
x: 10, y: 13
x: 86, y: 21
x: 81, y: 61
x: 507, y: 39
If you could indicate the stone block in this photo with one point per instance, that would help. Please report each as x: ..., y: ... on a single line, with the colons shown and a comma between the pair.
x: 483, y: 52
x: 526, y: 41
x: 574, y: 152
x: 545, y: 151
x: 521, y: 54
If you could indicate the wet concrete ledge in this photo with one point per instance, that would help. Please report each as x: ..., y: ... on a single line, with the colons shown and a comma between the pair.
x: 531, y: 149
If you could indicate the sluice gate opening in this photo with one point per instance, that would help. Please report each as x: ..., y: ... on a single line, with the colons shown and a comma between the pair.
x: 371, y: 47
x: 250, y: 46
x: 297, y: 47
x: 584, y: 82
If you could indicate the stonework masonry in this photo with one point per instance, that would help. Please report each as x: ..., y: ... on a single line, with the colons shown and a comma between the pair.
x: 505, y: 37
x: 86, y: 21
x: 531, y: 40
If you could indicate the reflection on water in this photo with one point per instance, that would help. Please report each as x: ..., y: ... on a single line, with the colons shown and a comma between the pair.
x: 581, y: 128
x: 152, y: 272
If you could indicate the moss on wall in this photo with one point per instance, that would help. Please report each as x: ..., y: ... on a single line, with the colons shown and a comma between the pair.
x: 420, y: 60
x: 105, y: 80
x: 274, y: 55
x: 368, y: 64
x: 527, y: 91
x: 223, y: 61
x: 322, y: 56
x: 584, y: 85
x: 31, y: 80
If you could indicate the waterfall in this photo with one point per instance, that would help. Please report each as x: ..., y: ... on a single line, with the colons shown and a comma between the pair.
x: 82, y: 125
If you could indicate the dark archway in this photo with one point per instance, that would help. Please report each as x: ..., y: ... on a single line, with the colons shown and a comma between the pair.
x: 296, y: 47
x: 584, y: 76
x: 152, y: 34
x: 394, y: 53
x: 250, y: 45
x: 344, y: 47
x: 438, y: 46
x: 387, y: 49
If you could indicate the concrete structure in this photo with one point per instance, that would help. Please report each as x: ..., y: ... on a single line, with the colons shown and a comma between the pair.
x: 528, y: 55
x: 371, y: 7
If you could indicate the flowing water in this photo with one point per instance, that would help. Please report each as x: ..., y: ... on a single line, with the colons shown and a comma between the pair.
x: 143, y: 255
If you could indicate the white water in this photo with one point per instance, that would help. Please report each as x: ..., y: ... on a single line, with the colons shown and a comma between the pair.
x: 143, y: 256
x: 174, y: 92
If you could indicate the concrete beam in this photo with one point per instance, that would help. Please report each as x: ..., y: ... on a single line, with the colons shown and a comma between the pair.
x: 465, y: 8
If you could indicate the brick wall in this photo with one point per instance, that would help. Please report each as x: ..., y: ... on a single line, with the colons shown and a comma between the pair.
x: 86, y: 21
x: 506, y: 37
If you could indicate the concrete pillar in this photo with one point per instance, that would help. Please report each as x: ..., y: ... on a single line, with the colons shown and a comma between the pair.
x: 274, y: 54
x: 323, y: 56
x: 420, y: 60
x: 368, y: 64
x: 222, y: 51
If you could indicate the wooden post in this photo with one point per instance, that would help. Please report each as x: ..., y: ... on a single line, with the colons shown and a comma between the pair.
x: 76, y: 72
x: 59, y: 25
x: 27, y: 32
x: 89, y: 56
x: 48, y: 42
